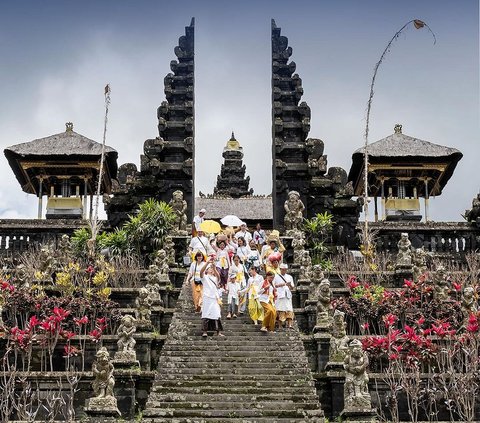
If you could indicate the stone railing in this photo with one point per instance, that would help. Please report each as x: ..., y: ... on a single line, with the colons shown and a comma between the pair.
x: 457, y: 238
x: 17, y: 235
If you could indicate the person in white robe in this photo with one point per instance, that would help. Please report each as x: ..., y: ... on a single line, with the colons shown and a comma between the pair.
x: 211, y: 300
x: 283, y: 284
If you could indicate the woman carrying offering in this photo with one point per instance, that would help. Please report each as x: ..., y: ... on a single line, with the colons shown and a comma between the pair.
x: 211, y: 312
x: 196, y: 280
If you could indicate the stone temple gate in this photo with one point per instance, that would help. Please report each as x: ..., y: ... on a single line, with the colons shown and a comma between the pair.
x: 298, y: 162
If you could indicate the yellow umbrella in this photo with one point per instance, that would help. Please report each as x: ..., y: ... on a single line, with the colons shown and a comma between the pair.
x: 210, y: 226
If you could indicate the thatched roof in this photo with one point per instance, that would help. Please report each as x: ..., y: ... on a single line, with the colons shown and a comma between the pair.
x: 401, y: 149
x: 65, y: 147
x: 68, y: 143
x: 401, y: 145
x: 249, y: 208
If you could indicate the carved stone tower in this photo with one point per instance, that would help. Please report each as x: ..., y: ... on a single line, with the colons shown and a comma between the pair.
x: 298, y: 162
x: 290, y: 126
x: 167, y: 164
x: 232, y: 181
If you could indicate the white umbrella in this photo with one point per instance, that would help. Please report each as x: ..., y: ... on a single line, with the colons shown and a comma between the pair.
x: 231, y: 220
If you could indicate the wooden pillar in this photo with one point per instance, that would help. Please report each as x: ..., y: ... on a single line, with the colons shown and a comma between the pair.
x: 384, y: 213
x: 85, y: 198
x: 426, y: 200
x: 40, y: 196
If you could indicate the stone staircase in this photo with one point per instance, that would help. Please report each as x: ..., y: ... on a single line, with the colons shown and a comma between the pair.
x: 246, y: 376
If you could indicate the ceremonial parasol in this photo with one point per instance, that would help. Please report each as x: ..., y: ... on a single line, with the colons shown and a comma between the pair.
x: 210, y: 226
x: 231, y: 220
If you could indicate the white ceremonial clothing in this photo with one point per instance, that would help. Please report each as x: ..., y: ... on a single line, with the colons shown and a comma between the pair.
x: 243, y: 253
x: 254, y: 285
x: 210, y: 297
x: 259, y: 237
x: 284, y: 300
x: 200, y: 243
x: 245, y: 234
x: 197, y: 221
x: 194, y: 270
x: 233, y: 287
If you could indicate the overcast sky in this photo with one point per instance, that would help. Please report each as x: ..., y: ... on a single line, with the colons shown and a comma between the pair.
x: 57, y: 56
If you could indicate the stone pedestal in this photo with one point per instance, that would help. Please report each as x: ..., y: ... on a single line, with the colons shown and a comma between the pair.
x: 144, y: 326
x: 359, y: 415
x: 125, y: 360
x: 322, y: 340
x: 401, y: 273
x: 102, y: 407
x: 303, y: 289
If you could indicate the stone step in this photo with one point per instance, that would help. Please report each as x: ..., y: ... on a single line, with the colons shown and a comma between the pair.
x: 229, y: 389
x: 225, y: 341
x: 224, y: 367
x: 228, y: 357
x: 228, y: 412
x: 291, y: 397
x: 225, y: 404
x: 240, y: 384
x: 225, y: 371
x: 211, y: 378
x: 229, y: 354
x: 233, y: 419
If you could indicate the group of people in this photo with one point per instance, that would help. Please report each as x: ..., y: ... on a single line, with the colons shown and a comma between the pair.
x: 247, y: 269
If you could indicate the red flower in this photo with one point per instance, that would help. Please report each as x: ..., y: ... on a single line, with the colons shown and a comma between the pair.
x: 95, y: 334
x: 352, y: 282
x: 60, y: 313
x: 408, y: 284
x: 82, y: 321
x: 366, y: 326
x: 393, y: 356
x: 420, y: 321
x: 33, y: 321
x: 457, y: 286
x: 67, y: 334
x: 90, y: 269
x: 389, y: 319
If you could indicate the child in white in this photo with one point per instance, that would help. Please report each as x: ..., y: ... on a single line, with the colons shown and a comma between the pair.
x: 232, y: 300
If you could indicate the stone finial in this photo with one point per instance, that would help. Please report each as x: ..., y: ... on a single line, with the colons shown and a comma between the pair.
x: 398, y: 128
x: 69, y: 127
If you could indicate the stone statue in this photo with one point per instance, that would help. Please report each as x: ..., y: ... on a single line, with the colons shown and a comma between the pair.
x: 404, y: 256
x: 419, y: 260
x: 64, y: 248
x: 21, y: 276
x: 473, y: 214
x: 142, y: 307
x: 102, y: 370
x: 169, y: 248
x: 339, y: 339
x: 161, y: 262
x: 306, y: 266
x: 317, y: 276
x: 126, y: 342
x: 469, y: 302
x: 441, y: 286
x: 294, y: 208
x: 324, y: 305
x: 298, y: 245
x: 356, y: 392
x: 179, y: 206
x: 154, y: 278
x: 104, y: 403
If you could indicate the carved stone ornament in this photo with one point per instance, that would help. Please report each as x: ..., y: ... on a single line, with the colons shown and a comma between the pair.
x: 441, y: 286
x: 404, y: 255
x: 104, y: 403
x: 126, y: 343
x: 339, y: 340
x: 324, y: 304
x: 294, y: 208
x: 179, y: 206
x: 356, y: 394
x: 143, y: 304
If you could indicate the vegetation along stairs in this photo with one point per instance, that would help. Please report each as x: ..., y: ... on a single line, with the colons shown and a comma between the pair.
x: 246, y: 376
